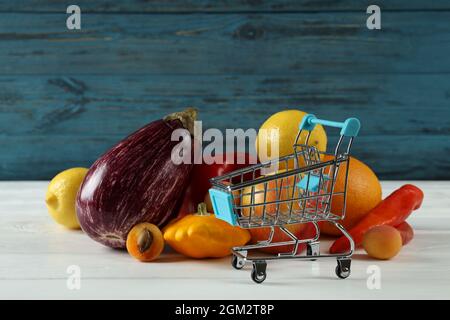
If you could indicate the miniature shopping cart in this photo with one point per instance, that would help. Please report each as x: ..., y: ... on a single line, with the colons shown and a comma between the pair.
x: 298, y: 188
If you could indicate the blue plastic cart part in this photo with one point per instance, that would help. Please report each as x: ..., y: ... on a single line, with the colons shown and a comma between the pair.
x: 222, y: 203
x: 349, y: 128
x: 313, y: 184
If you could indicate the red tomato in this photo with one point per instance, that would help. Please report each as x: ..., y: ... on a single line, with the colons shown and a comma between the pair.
x: 199, y: 185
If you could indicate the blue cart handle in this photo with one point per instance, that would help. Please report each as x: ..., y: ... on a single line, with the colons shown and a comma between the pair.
x: 349, y: 127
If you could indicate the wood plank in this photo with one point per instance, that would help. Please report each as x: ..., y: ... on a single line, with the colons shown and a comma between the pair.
x: 219, y: 6
x: 391, y: 157
x: 276, y: 44
x: 35, y: 254
x: 117, y: 105
x: 50, y: 123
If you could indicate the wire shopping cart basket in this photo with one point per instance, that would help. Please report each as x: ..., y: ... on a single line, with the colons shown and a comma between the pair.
x: 294, y: 189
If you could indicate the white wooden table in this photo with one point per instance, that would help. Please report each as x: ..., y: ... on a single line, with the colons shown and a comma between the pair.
x: 35, y: 255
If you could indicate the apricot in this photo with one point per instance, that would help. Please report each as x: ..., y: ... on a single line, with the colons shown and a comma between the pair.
x: 382, y: 242
x: 145, y: 242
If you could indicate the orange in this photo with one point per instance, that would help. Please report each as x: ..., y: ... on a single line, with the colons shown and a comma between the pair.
x: 363, y: 194
x: 273, y: 194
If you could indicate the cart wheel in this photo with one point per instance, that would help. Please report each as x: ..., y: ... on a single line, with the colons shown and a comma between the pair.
x: 258, y: 278
x: 313, y: 249
x: 343, y: 268
x: 237, y: 263
x: 309, y: 253
x: 259, y: 271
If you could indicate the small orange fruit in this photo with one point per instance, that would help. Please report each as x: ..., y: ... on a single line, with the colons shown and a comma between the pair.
x: 145, y: 242
x: 382, y: 242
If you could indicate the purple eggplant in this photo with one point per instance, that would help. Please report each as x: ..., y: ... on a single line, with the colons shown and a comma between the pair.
x: 135, y: 181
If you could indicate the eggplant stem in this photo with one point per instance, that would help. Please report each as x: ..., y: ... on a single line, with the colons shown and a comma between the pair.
x: 187, y: 117
x: 144, y: 240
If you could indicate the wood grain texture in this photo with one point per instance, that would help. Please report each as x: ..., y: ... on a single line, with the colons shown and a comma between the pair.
x: 66, y: 96
x: 80, y: 117
x: 41, y: 157
x: 83, y: 105
x: 274, y: 44
x: 38, y: 270
x: 161, y: 6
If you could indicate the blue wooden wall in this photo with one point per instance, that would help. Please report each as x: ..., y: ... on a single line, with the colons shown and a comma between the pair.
x: 67, y: 96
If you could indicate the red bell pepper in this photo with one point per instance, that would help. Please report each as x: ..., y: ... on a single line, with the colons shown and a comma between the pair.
x: 406, y: 231
x: 391, y: 211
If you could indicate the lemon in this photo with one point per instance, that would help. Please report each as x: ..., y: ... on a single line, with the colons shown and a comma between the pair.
x: 61, y: 196
x: 282, y: 128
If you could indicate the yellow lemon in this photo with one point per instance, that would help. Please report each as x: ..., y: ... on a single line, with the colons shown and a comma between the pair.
x: 61, y: 196
x: 282, y: 128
